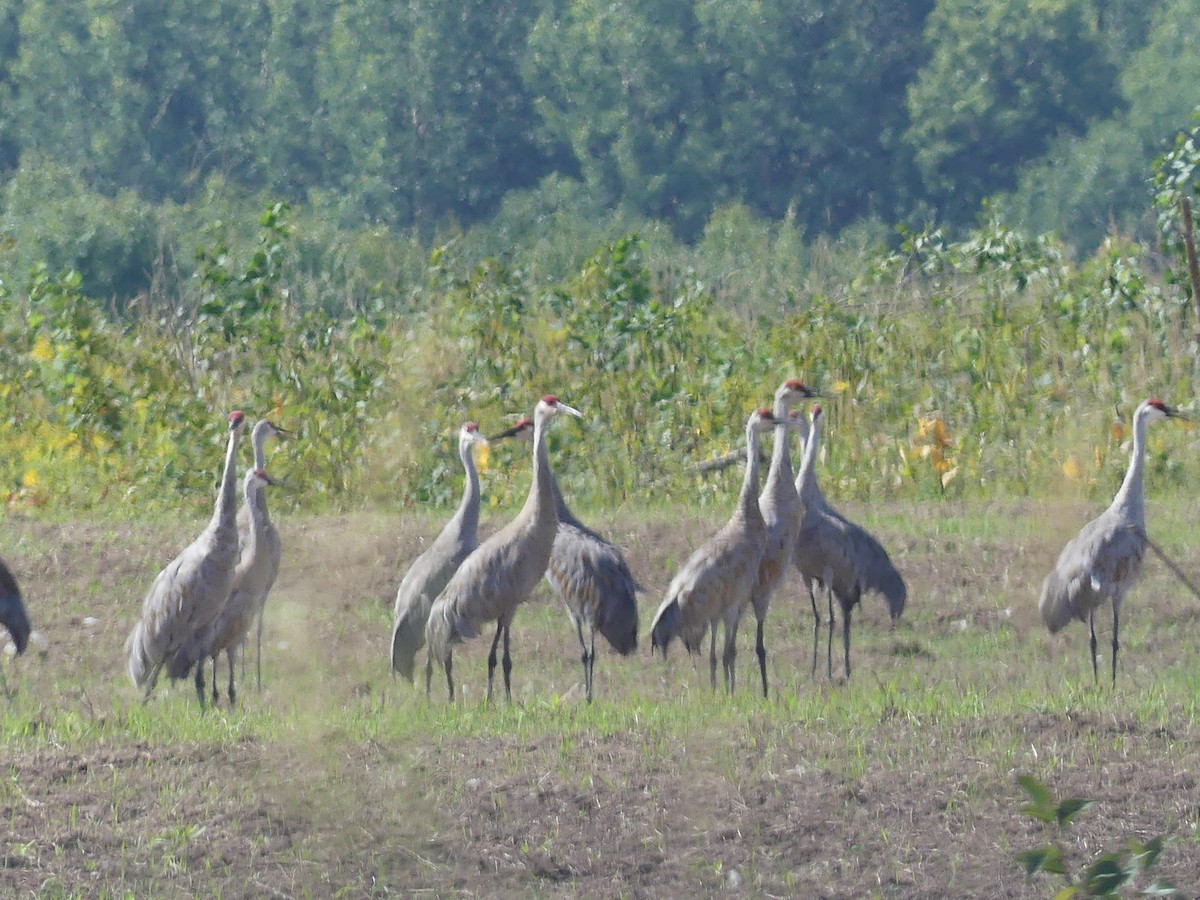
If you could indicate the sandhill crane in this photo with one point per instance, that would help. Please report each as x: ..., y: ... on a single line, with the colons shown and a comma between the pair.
x: 269, y: 540
x: 229, y: 630
x: 189, y: 593
x: 780, y: 506
x: 431, y: 571
x: 714, y: 585
x: 12, y: 616
x: 841, y: 555
x: 504, y: 569
x: 591, y: 577
x: 1102, y: 562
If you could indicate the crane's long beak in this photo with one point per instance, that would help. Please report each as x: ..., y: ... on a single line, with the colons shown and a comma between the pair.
x: 1176, y: 413
x: 282, y: 432
x: 570, y: 409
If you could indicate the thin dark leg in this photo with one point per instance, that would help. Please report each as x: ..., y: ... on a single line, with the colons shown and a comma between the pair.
x: 730, y: 656
x: 591, y: 666
x: 846, y: 635
x: 712, y: 656
x: 1092, y: 628
x: 229, y: 659
x: 448, y: 665
x: 829, y: 640
x: 492, y: 660
x: 507, y: 667
x: 214, y: 661
x: 583, y: 658
x: 257, y: 657
x: 761, y: 649
x: 200, y: 682
x: 1116, y: 641
x: 428, y: 673
x: 812, y: 596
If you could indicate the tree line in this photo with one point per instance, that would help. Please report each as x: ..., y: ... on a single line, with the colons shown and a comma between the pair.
x: 429, y: 116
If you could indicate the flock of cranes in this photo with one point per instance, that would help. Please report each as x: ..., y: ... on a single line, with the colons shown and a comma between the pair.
x: 207, y: 600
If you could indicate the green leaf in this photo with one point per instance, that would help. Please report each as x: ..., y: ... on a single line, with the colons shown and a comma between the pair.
x: 1160, y: 888
x: 1033, y: 860
x: 1041, y: 805
x: 1067, y: 893
x: 1147, y: 854
x: 1068, y: 809
x: 1105, y: 876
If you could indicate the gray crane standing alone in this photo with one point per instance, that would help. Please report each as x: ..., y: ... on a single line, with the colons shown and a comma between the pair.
x: 431, y: 571
x: 780, y: 506
x: 843, y: 556
x: 189, y: 593
x: 504, y: 569
x: 1102, y: 562
x: 229, y: 630
x: 714, y: 585
x: 269, y: 539
x: 12, y: 616
x: 591, y: 577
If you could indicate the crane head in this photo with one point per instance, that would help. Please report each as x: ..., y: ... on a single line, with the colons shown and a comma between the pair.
x: 1156, y: 409
x: 271, y: 428
x: 816, y: 412
x: 523, y: 429
x: 551, y: 406
x: 237, y: 419
x: 469, y: 434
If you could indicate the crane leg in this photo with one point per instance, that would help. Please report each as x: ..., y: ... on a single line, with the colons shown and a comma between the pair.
x: 428, y: 673
x: 199, y: 679
x: 846, y: 635
x: 712, y: 656
x: 492, y: 659
x: 583, y: 656
x: 1116, y: 644
x: 448, y: 665
x: 507, y: 663
x: 812, y: 596
x: 257, y: 656
x: 829, y: 640
x: 1092, y: 629
x: 730, y: 656
x: 591, y: 666
x: 216, y: 658
x: 229, y: 655
x: 761, y: 649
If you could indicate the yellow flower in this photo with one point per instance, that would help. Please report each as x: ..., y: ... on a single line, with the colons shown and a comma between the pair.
x: 840, y: 386
x: 43, y: 350
x: 483, y: 452
x: 30, y: 479
x: 1117, y: 431
x: 1070, y: 468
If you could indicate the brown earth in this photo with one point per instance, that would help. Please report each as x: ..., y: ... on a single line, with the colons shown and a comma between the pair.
x: 807, y: 794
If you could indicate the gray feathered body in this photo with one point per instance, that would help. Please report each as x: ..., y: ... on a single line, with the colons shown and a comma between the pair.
x: 251, y: 581
x: 502, y: 572
x: 715, y: 583
x: 1097, y: 566
x: 593, y: 580
x: 187, y: 595
x: 847, y: 558
x: 12, y: 610
x: 429, y: 574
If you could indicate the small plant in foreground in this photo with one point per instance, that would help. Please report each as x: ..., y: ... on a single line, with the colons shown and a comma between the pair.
x: 1108, y: 873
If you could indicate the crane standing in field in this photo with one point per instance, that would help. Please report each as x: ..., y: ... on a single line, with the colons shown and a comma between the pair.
x: 714, y: 585
x: 269, y: 540
x: 1102, y: 562
x: 189, y: 593
x: 841, y: 555
x: 228, y: 632
x: 504, y: 569
x: 780, y: 506
x: 591, y: 577
x: 431, y: 571
x: 12, y: 616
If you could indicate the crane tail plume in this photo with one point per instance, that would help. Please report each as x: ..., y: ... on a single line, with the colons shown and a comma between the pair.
x: 1055, y: 604
x: 137, y: 659
x: 895, y: 593
x: 665, y: 626
x: 408, y: 636
x: 13, y: 617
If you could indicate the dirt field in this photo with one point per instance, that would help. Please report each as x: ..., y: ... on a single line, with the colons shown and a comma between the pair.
x: 336, y: 780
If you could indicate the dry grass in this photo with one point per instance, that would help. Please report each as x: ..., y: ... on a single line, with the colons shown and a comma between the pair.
x: 338, y: 780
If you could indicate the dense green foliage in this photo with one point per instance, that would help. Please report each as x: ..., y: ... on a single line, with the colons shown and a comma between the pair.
x: 970, y: 368
x: 427, y: 118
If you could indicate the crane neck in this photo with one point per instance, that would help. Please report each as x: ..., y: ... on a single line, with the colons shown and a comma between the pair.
x: 226, y: 508
x: 779, y: 476
x: 748, y: 499
x: 253, y: 493
x: 1131, y: 498
x: 468, y: 508
x: 258, y: 440
x: 806, y: 480
x: 541, y: 501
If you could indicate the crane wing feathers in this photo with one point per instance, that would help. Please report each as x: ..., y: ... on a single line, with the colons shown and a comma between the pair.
x: 12, y: 610
x: 1097, y: 565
